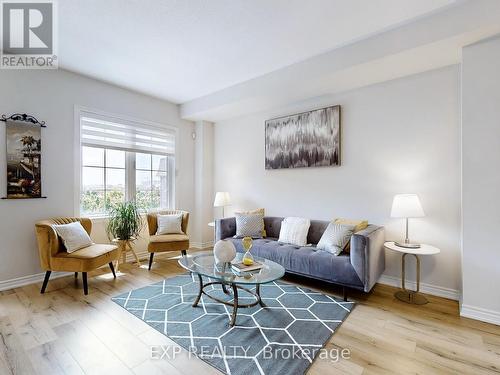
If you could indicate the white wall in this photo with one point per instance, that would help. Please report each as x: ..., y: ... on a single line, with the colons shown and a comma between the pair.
x: 51, y: 96
x: 398, y: 136
x: 481, y: 180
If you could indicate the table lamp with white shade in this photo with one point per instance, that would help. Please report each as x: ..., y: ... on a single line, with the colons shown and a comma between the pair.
x: 407, y: 206
x: 222, y: 199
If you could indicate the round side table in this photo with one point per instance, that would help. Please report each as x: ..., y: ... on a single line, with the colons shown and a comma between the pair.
x: 407, y: 295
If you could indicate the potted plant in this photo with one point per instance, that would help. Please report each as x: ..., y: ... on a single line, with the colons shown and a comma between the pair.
x: 125, y: 222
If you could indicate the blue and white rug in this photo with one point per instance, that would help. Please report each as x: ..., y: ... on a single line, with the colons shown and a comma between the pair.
x: 282, y: 338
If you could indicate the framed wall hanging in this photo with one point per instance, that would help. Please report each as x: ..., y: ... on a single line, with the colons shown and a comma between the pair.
x: 308, y: 139
x: 24, y: 150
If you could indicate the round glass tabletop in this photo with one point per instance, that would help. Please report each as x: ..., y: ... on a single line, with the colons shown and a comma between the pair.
x: 205, y: 265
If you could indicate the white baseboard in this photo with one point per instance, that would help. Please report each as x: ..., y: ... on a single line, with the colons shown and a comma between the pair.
x: 478, y: 313
x: 202, y: 245
x: 434, y: 290
x: 30, y: 279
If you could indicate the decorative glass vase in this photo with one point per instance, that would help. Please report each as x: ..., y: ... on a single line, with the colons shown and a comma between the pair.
x: 247, y: 245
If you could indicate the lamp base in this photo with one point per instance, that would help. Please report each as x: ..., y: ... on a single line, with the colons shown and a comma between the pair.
x: 409, y: 296
x: 407, y: 245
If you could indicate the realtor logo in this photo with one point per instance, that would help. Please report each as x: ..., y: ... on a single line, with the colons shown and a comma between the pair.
x: 28, y: 35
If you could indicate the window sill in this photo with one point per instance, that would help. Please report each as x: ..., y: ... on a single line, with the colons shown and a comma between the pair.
x: 100, y: 219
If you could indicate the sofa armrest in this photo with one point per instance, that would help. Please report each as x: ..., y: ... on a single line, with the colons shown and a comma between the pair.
x: 225, y: 228
x: 368, y: 255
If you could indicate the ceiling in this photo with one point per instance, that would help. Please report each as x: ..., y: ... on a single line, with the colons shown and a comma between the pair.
x: 180, y: 50
x: 426, y: 43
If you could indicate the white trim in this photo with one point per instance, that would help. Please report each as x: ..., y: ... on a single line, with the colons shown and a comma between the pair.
x: 77, y: 161
x: 434, y: 290
x: 30, y: 279
x: 201, y: 245
x: 478, y: 313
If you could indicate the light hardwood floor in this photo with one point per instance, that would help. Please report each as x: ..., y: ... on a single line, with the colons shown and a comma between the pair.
x: 65, y: 332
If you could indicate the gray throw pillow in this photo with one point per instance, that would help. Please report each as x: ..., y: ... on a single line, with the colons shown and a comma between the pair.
x: 249, y: 225
x: 335, y: 237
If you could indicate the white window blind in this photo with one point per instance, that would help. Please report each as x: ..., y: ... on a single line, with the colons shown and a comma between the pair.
x: 118, y: 134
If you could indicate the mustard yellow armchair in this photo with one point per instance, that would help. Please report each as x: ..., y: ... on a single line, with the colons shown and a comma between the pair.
x: 167, y: 242
x: 53, y: 256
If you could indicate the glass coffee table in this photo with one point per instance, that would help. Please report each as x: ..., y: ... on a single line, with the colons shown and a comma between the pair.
x: 204, y: 264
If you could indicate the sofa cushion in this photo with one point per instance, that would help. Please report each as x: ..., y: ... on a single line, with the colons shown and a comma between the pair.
x: 316, y: 230
x: 168, y: 242
x: 272, y: 225
x: 168, y: 238
x: 89, y: 252
x: 84, y: 260
x: 306, y: 260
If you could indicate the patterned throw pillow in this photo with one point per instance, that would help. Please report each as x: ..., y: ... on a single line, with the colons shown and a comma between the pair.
x: 249, y: 225
x: 256, y: 211
x: 294, y: 231
x: 335, y: 237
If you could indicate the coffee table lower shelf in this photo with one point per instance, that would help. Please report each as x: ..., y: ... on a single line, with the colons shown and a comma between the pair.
x: 235, y: 304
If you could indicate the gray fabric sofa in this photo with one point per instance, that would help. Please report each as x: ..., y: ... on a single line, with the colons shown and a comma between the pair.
x: 360, y: 269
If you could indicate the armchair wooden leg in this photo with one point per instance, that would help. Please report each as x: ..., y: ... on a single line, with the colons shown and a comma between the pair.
x: 45, y: 281
x: 151, y: 256
x: 76, y: 275
x: 183, y: 253
x: 85, y: 285
x: 112, y: 269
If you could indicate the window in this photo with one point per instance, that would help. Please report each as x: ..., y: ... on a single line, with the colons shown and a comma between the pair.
x: 121, y: 160
x: 103, y: 179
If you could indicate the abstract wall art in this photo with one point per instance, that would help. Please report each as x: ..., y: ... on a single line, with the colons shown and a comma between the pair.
x: 308, y: 139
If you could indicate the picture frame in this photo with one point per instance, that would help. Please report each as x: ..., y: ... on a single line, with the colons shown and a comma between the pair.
x: 23, y: 137
x: 303, y: 140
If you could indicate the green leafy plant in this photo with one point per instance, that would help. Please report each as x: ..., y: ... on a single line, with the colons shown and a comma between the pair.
x: 124, y: 221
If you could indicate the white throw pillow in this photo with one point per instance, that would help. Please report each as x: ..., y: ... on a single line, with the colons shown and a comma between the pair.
x: 335, y: 237
x: 73, y: 235
x: 294, y: 231
x: 169, y: 224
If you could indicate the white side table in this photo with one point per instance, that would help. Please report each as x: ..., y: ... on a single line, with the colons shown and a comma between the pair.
x: 406, y: 295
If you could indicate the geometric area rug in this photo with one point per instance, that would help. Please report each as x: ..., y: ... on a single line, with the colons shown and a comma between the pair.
x: 282, y: 338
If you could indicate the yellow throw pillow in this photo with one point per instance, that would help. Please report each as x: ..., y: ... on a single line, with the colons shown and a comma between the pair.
x: 360, y: 225
x: 256, y: 211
